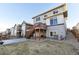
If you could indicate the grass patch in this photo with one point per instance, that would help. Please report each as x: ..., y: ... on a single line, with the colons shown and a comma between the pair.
x: 38, y: 48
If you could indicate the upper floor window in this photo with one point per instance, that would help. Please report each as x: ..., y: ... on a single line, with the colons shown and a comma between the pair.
x: 45, y: 15
x: 53, y: 21
x: 38, y: 19
x: 55, y: 11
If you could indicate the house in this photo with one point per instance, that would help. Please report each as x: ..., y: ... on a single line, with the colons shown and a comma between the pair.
x: 12, y: 32
x: 49, y: 24
x: 17, y: 30
x: 24, y: 27
x: 55, y: 20
x: 8, y: 33
x: 4, y: 36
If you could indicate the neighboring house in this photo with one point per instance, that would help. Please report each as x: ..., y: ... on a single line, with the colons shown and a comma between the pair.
x: 50, y: 24
x: 4, y: 35
x: 24, y: 27
x: 55, y: 19
x: 12, y: 32
x: 17, y: 30
x: 75, y: 30
x: 8, y: 33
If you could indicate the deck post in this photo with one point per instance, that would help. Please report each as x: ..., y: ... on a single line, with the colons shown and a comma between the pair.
x: 35, y: 34
x: 39, y: 34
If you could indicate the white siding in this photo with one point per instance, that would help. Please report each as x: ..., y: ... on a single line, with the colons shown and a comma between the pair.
x: 48, y: 21
x: 60, y: 30
x: 12, y: 31
x: 15, y: 30
x: 60, y: 19
x: 60, y: 10
x: 41, y: 20
x: 23, y: 29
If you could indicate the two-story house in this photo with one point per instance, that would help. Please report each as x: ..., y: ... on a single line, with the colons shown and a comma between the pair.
x: 8, y: 33
x: 49, y: 24
x: 3, y: 35
x: 24, y: 27
x: 12, y: 32
x: 17, y: 30
x: 55, y: 19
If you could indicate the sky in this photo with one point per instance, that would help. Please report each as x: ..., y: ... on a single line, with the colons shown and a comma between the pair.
x: 16, y: 13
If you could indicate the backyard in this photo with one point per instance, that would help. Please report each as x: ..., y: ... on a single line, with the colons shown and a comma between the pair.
x: 23, y: 46
x: 36, y: 47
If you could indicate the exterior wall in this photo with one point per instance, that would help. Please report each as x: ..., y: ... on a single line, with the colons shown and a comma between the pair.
x: 12, y: 31
x: 15, y: 30
x: 24, y: 27
x: 59, y: 29
x: 60, y: 20
x: 8, y: 33
x: 23, y: 30
x: 41, y: 20
x: 60, y: 10
x: 65, y: 23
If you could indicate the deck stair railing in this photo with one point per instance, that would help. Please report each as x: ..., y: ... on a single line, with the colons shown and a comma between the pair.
x: 31, y: 30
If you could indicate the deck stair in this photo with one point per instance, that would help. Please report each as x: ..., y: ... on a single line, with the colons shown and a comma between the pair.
x: 31, y: 30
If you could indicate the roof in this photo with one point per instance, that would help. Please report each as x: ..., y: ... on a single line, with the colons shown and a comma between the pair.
x: 26, y: 23
x: 49, y: 10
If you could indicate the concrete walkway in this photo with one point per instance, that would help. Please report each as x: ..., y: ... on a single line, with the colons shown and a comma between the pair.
x: 12, y: 41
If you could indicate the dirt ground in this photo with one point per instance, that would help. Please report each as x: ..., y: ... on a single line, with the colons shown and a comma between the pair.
x: 70, y: 46
x: 36, y: 47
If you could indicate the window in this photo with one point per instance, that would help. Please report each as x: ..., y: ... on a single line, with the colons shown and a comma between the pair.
x: 45, y: 15
x: 51, y: 34
x: 53, y: 21
x: 38, y: 19
x: 55, y: 11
